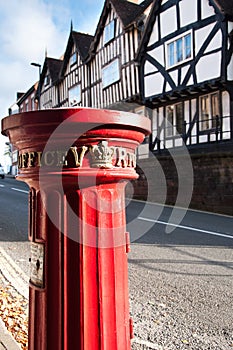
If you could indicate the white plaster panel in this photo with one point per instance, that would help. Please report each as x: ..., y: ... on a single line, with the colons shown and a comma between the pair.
x: 154, y: 37
x: 216, y: 42
x: 230, y: 66
x: 226, y: 113
x: 168, y: 21
x: 184, y: 71
x: 206, y: 9
x: 154, y: 120
x: 193, y: 111
x: 186, y: 111
x: 208, y: 67
x: 174, y: 76
x: 230, y: 26
x: 225, y: 103
x: 160, y: 116
x: 153, y: 84
x: 203, y: 138
x: 194, y: 139
x: 179, y: 142
x: 212, y: 137
x: 158, y: 54
x: 168, y: 143
x: 149, y: 68
x: 201, y: 35
x: 190, y: 82
x: 230, y: 70
x: 188, y: 14
x: 226, y: 135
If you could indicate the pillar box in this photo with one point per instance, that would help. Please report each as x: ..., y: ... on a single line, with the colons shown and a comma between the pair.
x: 76, y: 162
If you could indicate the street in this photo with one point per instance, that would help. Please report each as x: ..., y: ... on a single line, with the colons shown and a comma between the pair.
x: 147, y: 222
x: 180, y: 271
x: 13, y: 210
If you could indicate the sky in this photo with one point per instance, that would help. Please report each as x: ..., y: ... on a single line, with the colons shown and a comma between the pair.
x: 29, y: 28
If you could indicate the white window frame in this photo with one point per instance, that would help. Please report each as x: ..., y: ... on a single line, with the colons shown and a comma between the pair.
x: 109, y: 32
x: 74, y: 94
x: 175, y: 41
x: 73, y: 58
x: 47, y: 80
x: 111, y: 73
x: 173, y: 125
x: 208, y: 121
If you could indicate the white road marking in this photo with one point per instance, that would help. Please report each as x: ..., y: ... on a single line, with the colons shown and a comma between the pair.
x: 186, y: 227
x: 19, y: 190
x: 2, y: 185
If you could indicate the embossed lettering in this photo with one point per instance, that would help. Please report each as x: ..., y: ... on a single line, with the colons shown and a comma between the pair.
x: 121, y: 157
x: 101, y: 156
x: 78, y: 157
x: 31, y: 159
x: 49, y: 158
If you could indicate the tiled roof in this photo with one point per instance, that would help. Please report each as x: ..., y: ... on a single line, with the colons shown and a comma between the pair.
x: 54, y: 67
x: 226, y: 6
x: 127, y: 11
x: 82, y: 42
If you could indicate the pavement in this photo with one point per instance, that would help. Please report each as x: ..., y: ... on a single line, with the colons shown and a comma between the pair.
x: 7, y: 342
x: 13, y: 275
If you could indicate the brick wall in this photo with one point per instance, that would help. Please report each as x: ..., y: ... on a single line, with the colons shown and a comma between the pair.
x: 212, y: 188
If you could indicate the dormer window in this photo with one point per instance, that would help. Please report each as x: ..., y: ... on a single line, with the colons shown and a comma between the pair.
x: 73, y: 58
x: 75, y: 95
x: 111, y: 73
x: 109, y: 32
x: 179, y: 50
x: 46, y: 80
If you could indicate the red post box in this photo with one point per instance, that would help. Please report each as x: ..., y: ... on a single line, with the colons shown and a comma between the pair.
x: 76, y: 162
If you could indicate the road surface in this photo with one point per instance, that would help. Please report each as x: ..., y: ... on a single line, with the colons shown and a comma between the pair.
x: 180, y: 270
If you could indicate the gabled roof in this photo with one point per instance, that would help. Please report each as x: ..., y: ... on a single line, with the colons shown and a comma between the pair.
x: 52, y: 65
x: 82, y: 42
x: 127, y: 12
x: 23, y: 96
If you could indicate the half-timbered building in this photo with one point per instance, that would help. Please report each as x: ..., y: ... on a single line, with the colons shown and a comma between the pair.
x: 48, y: 91
x: 74, y: 75
x: 27, y: 101
x: 113, y: 73
x: 186, y: 83
x: 173, y: 61
x: 186, y: 72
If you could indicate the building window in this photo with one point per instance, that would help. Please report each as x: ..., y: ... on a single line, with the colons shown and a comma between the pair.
x: 109, y: 32
x: 179, y: 50
x: 174, y: 120
x: 46, y: 80
x: 73, y: 58
x: 32, y: 103
x: 111, y: 73
x: 209, y: 111
x: 75, y: 95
